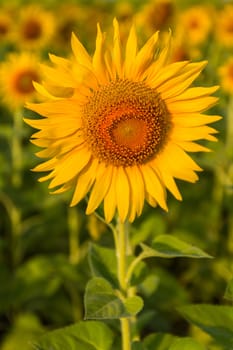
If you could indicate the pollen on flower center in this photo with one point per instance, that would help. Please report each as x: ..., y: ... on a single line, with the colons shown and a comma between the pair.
x: 125, y: 123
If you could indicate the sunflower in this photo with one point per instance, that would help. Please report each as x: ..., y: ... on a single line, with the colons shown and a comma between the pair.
x: 17, y: 74
x: 156, y: 15
x: 123, y: 135
x: 226, y: 76
x: 224, y: 26
x: 34, y: 28
x: 195, y: 24
x: 6, y: 25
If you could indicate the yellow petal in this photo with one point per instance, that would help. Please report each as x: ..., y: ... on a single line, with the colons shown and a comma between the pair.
x: 110, y: 198
x: 80, y: 52
x: 178, y: 163
x: 192, y: 106
x: 168, y: 181
x: 100, y: 187
x: 117, y: 52
x: 192, y: 134
x: 155, y: 77
x: 66, y: 187
x: 153, y: 185
x: 122, y: 193
x: 194, y: 119
x: 137, y: 191
x: 194, y: 93
x: 181, y: 82
x: 69, y: 166
x: 46, y: 166
x: 59, y: 61
x: 144, y: 57
x: 84, y: 182
x: 130, y: 51
x: 162, y: 59
x: 43, y: 92
x: 98, y: 58
x: 58, y: 77
x: 54, y: 109
x: 192, y: 146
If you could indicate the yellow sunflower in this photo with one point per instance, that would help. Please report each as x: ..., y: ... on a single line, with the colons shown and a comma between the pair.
x: 17, y: 74
x: 6, y: 25
x: 226, y: 76
x: 224, y: 26
x: 34, y: 28
x: 122, y: 137
x: 156, y: 15
x: 195, y: 24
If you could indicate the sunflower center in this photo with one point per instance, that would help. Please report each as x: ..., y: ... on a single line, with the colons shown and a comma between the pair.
x: 23, y: 81
x: 125, y: 123
x: 32, y: 30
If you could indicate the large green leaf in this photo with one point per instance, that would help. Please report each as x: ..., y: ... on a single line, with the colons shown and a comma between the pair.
x: 102, y: 302
x: 160, y: 341
x: 186, y: 344
x: 87, y: 335
x: 25, y: 329
x: 167, y: 246
x: 215, y: 320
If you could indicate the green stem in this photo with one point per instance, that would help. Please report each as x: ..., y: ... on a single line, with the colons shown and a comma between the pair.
x: 121, y: 250
x: 16, y: 149
x: 74, y: 228
x: 133, y: 265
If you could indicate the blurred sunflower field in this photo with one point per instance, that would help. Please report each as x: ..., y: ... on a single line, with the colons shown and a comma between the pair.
x: 58, y: 279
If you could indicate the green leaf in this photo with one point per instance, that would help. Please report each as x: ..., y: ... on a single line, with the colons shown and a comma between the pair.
x: 159, y: 341
x: 102, y: 302
x: 167, y: 246
x: 134, y: 304
x: 138, y: 346
x: 186, y: 344
x: 87, y: 335
x: 25, y: 329
x: 215, y: 320
x: 103, y: 263
x: 229, y: 290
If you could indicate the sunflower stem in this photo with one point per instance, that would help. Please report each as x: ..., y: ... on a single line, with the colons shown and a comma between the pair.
x: 121, y: 251
x: 16, y: 149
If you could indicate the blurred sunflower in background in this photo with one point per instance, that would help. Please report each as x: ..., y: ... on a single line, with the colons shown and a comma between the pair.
x: 226, y: 76
x: 131, y: 121
x: 195, y: 24
x: 6, y: 26
x: 34, y: 28
x: 17, y: 74
x: 224, y: 26
x: 156, y: 15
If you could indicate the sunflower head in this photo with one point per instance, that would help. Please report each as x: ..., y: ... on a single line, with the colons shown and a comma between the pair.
x: 34, y: 28
x: 224, y: 26
x: 6, y: 25
x: 17, y: 74
x: 122, y: 135
x: 226, y: 76
x: 195, y: 24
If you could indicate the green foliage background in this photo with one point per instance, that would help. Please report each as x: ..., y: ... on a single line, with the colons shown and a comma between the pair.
x: 44, y: 267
